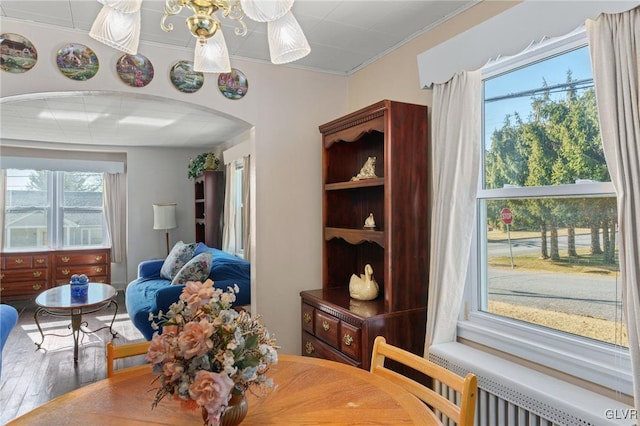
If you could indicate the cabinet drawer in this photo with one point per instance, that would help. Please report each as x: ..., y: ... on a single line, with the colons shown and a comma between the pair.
x: 350, y: 341
x: 315, y: 348
x: 23, y: 274
x: 326, y: 328
x: 17, y: 261
x: 89, y: 270
x: 22, y: 288
x: 307, y: 318
x: 80, y: 258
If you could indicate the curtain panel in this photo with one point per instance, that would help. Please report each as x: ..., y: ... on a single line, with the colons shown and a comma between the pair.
x: 455, y: 159
x: 614, y: 43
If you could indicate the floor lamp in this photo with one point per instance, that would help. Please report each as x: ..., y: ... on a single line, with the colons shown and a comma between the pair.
x: 164, y: 217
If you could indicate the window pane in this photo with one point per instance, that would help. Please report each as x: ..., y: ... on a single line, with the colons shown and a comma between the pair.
x: 83, y: 220
x: 27, y: 209
x: 555, y: 265
x: 541, y: 125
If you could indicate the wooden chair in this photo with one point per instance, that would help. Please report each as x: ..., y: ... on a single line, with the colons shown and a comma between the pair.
x: 467, y: 387
x: 125, y: 351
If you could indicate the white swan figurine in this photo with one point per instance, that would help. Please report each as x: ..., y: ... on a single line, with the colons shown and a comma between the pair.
x: 365, y: 286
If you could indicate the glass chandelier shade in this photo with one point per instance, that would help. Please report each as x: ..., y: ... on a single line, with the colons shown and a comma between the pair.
x: 124, y: 6
x: 117, y: 29
x: 287, y: 42
x: 265, y: 10
x: 212, y: 55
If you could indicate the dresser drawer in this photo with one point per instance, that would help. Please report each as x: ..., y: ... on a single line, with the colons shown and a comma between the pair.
x: 17, y: 261
x: 91, y: 271
x: 80, y: 258
x: 307, y: 318
x: 350, y: 341
x: 315, y: 348
x: 326, y: 328
x: 30, y: 274
x: 25, y: 288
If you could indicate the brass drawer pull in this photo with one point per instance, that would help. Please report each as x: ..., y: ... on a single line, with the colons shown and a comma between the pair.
x: 36, y: 286
x: 98, y: 258
x: 19, y: 261
x: 307, y: 317
x: 347, y: 339
x: 1, y: 289
x: 1, y: 276
x: 37, y: 274
x: 40, y: 260
x: 325, y: 326
x: 309, y: 349
x: 65, y: 271
x: 98, y: 269
x: 65, y: 259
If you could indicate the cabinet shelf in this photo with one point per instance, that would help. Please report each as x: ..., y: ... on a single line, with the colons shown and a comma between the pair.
x: 355, y: 236
x: 364, y: 183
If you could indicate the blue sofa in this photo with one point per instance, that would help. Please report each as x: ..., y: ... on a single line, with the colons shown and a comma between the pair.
x: 8, y: 320
x: 151, y: 293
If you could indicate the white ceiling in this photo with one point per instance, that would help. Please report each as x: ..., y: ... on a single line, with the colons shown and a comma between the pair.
x: 344, y: 36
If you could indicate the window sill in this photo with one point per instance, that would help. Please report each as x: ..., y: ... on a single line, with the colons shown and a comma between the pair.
x: 602, y: 364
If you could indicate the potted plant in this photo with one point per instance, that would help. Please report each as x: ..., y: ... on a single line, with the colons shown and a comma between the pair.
x: 204, y: 161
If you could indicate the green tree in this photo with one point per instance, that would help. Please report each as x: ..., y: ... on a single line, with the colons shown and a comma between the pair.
x: 76, y: 181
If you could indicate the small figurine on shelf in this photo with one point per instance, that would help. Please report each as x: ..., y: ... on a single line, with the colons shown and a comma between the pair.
x: 79, y: 287
x: 368, y: 170
x: 369, y: 222
x: 365, y: 286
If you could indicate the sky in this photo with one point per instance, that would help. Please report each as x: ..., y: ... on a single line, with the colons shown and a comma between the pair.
x: 552, y: 70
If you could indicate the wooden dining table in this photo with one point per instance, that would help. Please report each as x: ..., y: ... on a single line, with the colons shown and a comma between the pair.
x: 308, y: 391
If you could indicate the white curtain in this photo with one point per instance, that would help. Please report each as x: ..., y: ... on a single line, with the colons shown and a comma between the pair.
x: 455, y: 150
x: 246, y: 204
x: 115, y: 209
x: 614, y: 43
x: 3, y: 192
x: 229, y: 221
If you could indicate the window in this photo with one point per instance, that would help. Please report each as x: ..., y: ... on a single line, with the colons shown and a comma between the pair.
x: 53, y: 209
x: 544, y: 278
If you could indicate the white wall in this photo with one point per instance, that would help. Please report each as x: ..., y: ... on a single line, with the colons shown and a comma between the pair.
x: 285, y: 105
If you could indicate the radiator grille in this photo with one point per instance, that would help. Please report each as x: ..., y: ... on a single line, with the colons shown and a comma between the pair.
x: 500, y: 405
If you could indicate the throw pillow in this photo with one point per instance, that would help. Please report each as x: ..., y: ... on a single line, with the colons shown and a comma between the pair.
x: 180, y: 254
x: 197, y: 269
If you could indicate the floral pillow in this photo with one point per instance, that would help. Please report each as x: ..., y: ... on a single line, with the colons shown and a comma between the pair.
x: 180, y: 254
x: 197, y: 269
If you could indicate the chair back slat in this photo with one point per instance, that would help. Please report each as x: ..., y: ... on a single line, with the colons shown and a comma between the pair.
x: 124, y: 351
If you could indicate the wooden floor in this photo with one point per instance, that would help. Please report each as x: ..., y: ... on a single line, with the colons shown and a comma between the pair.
x: 31, y: 377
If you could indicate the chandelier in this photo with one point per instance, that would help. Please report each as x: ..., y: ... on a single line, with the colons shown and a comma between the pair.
x: 118, y: 25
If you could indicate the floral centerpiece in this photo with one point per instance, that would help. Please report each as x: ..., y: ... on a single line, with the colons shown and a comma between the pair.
x: 202, y: 162
x: 207, y: 351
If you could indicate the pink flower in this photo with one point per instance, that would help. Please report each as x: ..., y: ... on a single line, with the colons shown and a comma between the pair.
x: 194, y: 339
x: 172, y: 371
x: 211, y: 391
x: 159, y: 349
x: 196, y: 294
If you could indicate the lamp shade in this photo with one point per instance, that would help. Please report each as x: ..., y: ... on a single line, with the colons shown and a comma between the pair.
x: 164, y: 216
x: 287, y: 42
x: 117, y: 29
x: 212, y: 56
x: 265, y: 10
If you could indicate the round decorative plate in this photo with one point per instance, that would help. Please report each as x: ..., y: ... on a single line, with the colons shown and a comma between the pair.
x: 17, y: 54
x: 234, y: 84
x: 77, y: 61
x: 135, y: 70
x: 184, y: 78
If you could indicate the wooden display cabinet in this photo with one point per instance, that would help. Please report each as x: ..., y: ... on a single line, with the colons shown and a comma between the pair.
x: 334, y: 326
x: 209, y: 208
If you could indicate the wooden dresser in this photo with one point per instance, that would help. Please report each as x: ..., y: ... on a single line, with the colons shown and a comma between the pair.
x: 334, y: 325
x: 25, y: 275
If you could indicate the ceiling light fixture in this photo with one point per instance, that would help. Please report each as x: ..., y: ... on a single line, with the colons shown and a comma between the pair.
x: 119, y: 23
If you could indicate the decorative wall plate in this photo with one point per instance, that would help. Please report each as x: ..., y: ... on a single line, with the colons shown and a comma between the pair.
x: 77, y: 61
x: 184, y: 78
x: 234, y: 84
x: 17, y: 53
x: 135, y: 70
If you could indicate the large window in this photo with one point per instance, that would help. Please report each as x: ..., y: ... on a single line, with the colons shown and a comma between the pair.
x: 53, y: 209
x: 544, y: 280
